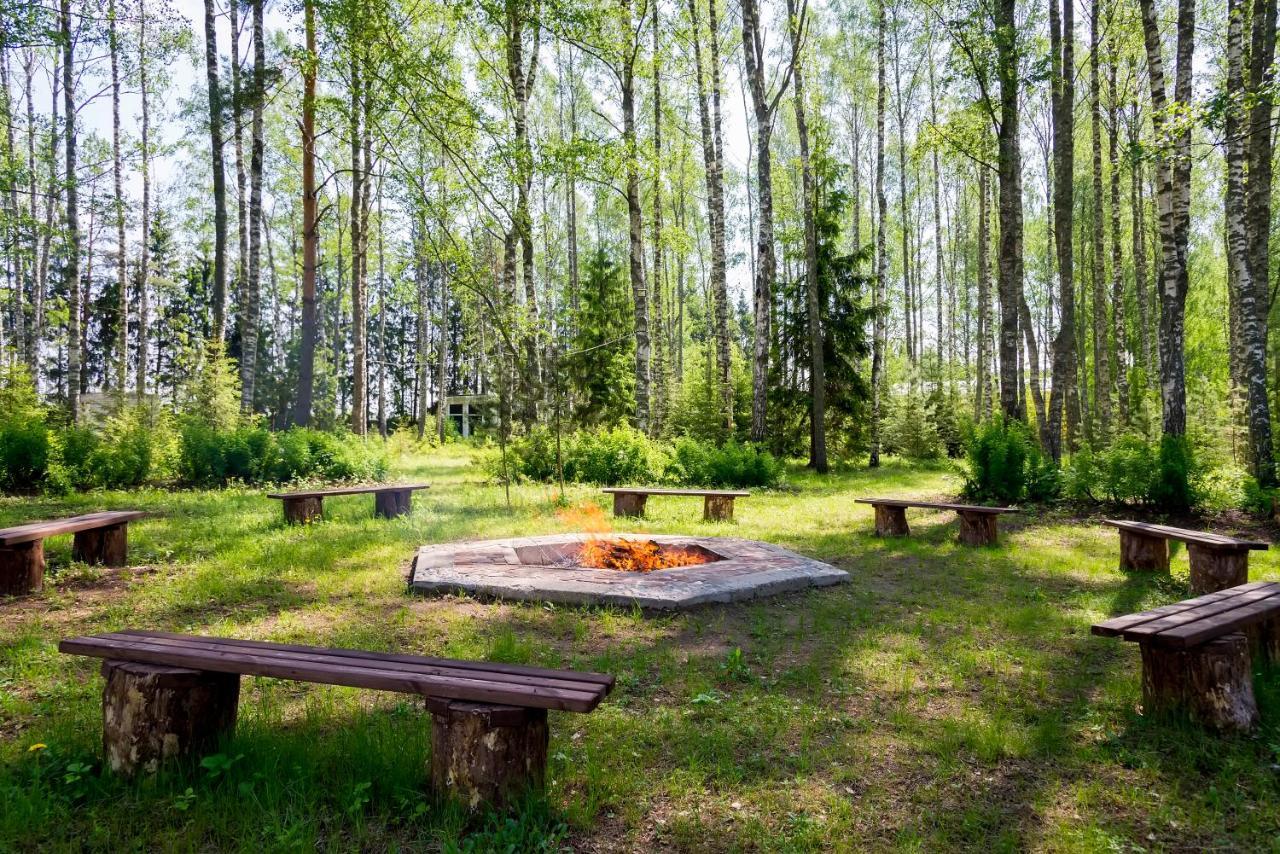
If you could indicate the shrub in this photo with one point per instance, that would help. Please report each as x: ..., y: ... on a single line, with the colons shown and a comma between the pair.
x: 252, y: 454
x: 24, y: 437
x: 1006, y: 465
x: 910, y: 431
x: 611, y: 457
x: 1172, y: 489
x: 697, y: 463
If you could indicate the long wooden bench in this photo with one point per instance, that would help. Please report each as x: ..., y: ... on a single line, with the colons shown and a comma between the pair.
x: 1217, y: 561
x: 717, y: 504
x: 389, y: 500
x: 99, y: 538
x: 168, y: 695
x: 978, y: 524
x: 1197, y: 654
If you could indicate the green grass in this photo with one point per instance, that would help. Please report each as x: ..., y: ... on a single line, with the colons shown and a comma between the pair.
x: 947, y: 698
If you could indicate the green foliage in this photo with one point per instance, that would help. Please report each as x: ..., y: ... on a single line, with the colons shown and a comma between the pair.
x: 24, y: 436
x: 1163, y: 474
x: 624, y: 455
x: 695, y: 463
x: 909, y: 431
x: 250, y: 454
x: 1172, y: 490
x: 1007, y: 466
x: 601, y: 367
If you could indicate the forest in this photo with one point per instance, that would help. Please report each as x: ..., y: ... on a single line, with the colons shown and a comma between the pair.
x: 829, y: 232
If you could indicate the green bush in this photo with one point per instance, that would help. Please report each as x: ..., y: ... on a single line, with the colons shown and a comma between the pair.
x: 1172, y: 490
x: 697, y: 463
x: 1007, y: 466
x: 909, y: 430
x: 1133, y: 470
x: 24, y: 436
x: 251, y: 454
x: 612, y: 457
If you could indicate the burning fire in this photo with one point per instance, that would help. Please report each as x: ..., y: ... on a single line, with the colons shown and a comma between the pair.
x: 622, y: 554
x: 636, y: 555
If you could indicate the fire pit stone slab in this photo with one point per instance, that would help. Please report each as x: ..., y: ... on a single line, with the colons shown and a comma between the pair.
x: 739, y: 570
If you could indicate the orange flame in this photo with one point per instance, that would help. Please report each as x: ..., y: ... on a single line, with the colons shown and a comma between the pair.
x: 635, y: 555
x: 586, y: 517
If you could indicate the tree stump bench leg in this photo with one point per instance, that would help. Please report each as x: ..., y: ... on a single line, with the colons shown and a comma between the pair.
x: 486, y: 754
x: 977, y: 529
x: 629, y: 503
x: 389, y: 505
x: 152, y: 714
x: 1211, y: 683
x: 891, y: 521
x: 108, y: 546
x: 299, y: 511
x: 22, y: 568
x: 717, y: 508
x: 1145, y: 553
x: 1214, y: 569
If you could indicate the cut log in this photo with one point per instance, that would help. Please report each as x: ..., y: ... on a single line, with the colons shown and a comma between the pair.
x: 1264, y: 642
x: 1143, y: 553
x: 1214, y: 569
x: 389, y: 505
x: 629, y: 503
x: 304, y: 509
x: 1212, y: 683
x: 717, y: 508
x: 977, y: 529
x: 891, y: 521
x: 108, y: 546
x: 22, y: 568
x: 153, y: 714
x: 485, y: 754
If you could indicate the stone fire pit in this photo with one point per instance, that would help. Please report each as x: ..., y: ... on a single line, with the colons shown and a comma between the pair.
x: 547, y: 569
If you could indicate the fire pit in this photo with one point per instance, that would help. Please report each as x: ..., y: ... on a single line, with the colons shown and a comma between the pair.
x: 650, y: 570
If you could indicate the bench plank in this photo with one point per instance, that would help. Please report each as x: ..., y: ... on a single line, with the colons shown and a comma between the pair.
x: 32, y: 531
x: 935, y: 505
x: 1168, y: 532
x: 1149, y: 630
x: 566, y: 691
x: 1116, y: 626
x: 642, y: 490
x: 350, y: 490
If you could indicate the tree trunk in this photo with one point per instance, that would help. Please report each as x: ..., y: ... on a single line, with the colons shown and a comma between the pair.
x: 1173, y: 200
x: 1118, y: 333
x: 219, y: 178
x: 660, y: 376
x: 1211, y: 683
x: 71, y: 275
x: 982, y: 403
x: 635, y: 230
x: 484, y: 754
x: 310, y: 228
x: 359, y: 189
x: 1064, y: 411
x: 817, y: 370
x: 766, y: 262
x: 237, y: 139
x: 1098, y: 275
x: 709, y: 119
x: 249, y: 309
x: 144, y: 264
x: 1010, y: 167
x: 882, y: 261
x: 1255, y: 300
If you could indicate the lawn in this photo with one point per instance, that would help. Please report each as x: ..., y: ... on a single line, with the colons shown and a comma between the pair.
x: 947, y: 698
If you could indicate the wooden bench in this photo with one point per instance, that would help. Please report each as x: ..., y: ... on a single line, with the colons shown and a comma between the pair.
x: 717, y: 503
x: 389, y: 500
x: 1197, y: 654
x: 168, y: 695
x: 100, y: 538
x: 977, y: 524
x: 1217, y: 561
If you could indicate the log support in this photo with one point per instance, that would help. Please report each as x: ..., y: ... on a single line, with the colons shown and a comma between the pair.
x: 629, y: 503
x: 717, y: 508
x: 153, y: 714
x: 22, y: 568
x: 1211, y: 683
x: 484, y: 754
x: 1214, y: 569
x: 1141, y: 552
x: 977, y: 529
x: 394, y: 503
x: 108, y: 546
x: 891, y: 521
x: 303, y: 509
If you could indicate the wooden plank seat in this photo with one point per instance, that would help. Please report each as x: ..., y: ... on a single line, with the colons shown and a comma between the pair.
x: 1218, y: 562
x: 1197, y: 654
x: 169, y: 694
x: 389, y: 500
x: 99, y: 538
x: 717, y: 505
x: 977, y: 523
